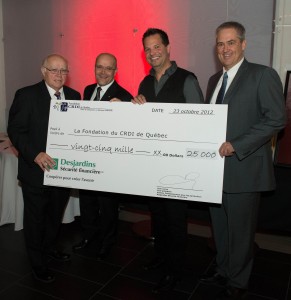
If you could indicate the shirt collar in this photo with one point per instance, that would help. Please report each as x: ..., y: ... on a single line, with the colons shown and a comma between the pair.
x: 171, y: 70
x: 232, y: 71
x: 105, y: 87
x: 52, y: 92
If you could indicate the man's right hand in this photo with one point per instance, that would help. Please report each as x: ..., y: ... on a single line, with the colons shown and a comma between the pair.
x: 44, y: 161
x: 139, y: 99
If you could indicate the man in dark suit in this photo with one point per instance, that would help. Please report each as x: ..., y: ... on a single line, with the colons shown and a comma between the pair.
x: 256, y: 112
x: 27, y: 129
x: 99, y: 210
x: 167, y: 83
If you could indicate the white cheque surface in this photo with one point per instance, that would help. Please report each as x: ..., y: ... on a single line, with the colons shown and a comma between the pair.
x: 156, y: 149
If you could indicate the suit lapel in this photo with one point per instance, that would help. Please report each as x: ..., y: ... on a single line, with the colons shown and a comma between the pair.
x: 212, y: 85
x: 235, y: 83
x: 67, y: 93
x: 43, y: 100
x: 44, y: 91
x: 90, y: 91
x: 110, y: 92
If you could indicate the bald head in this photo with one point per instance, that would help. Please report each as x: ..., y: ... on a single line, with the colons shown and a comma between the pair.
x: 53, y: 57
x: 54, y: 71
x: 105, y: 68
x: 107, y: 56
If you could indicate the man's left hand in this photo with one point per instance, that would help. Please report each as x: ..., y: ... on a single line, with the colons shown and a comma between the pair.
x: 226, y: 149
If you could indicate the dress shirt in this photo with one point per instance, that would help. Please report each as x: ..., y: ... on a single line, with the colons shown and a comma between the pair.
x: 52, y: 93
x: 231, y: 74
x: 191, y: 86
x: 104, y: 88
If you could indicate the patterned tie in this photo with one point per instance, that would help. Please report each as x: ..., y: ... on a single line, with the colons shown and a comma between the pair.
x: 58, y: 95
x: 221, y: 92
x: 98, y: 94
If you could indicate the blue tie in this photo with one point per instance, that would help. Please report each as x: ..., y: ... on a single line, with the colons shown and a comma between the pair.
x: 221, y: 92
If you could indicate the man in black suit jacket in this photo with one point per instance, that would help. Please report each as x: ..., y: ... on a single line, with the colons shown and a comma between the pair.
x: 99, y: 210
x: 256, y: 112
x: 27, y: 129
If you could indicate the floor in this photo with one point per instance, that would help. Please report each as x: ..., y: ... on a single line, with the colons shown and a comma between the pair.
x: 121, y: 275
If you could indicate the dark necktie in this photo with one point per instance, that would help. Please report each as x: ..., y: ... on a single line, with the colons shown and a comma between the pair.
x: 98, y: 94
x: 58, y: 95
x: 221, y: 92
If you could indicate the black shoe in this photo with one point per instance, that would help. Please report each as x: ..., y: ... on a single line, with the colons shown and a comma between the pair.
x: 59, y: 256
x: 232, y: 293
x: 103, y: 253
x: 167, y: 283
x: 154, y: 264
x: 80, y: 245
x: 43, y: 276
x: 213, y: 278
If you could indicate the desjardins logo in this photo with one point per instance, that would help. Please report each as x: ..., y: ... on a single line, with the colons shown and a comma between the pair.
x: 75, y: 163
x: 84, y: 166
x: 56, y: 166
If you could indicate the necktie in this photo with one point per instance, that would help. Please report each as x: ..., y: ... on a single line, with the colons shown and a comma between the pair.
x: 221, y: 92
x: 98, y: 94
x: 58, y: 95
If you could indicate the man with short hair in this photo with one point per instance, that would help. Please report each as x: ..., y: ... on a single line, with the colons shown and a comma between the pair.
x: 256, y: 112
x: 27, y: 129
x: 167, y: 83
x: 99, y: 210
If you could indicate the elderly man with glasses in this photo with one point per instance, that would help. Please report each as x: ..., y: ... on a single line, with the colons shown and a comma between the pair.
x: 27, y: 129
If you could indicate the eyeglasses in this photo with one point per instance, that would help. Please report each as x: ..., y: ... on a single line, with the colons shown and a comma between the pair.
x: 106, y: 69
x: 57, y: 71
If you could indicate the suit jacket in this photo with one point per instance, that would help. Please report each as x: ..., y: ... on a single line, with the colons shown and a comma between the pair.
x: 28, y: 126
x: 256, y: 112
x: 114, y: 91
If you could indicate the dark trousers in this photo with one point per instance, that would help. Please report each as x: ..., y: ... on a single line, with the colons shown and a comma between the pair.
x: 99, y: 216
x: 234, y: 226
x: 43, y: 213
x: 169, y: 223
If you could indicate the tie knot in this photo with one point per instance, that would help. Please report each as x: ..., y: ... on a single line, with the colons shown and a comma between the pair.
x: 58, y: 95
x: 225, y: 76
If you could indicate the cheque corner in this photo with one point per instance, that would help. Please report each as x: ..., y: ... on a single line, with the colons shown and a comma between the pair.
x: 73, y: 163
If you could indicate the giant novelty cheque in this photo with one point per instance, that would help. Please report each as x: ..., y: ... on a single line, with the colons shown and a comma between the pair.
x: 156, y: 149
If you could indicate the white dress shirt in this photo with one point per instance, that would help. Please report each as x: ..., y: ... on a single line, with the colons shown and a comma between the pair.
x: 52, y: 92
x: 231, y: 74
x: 104, y: 88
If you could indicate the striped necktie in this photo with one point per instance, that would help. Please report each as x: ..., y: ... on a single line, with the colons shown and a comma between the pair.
x: 97, y: 98
x: 58, y: 95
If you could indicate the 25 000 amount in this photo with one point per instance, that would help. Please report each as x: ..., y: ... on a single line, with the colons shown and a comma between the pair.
x: 201, y: 154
